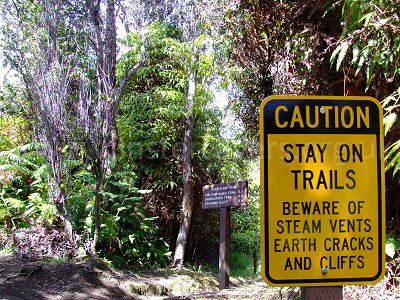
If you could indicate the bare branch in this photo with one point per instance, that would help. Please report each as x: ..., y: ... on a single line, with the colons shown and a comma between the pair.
x: 124, y: 83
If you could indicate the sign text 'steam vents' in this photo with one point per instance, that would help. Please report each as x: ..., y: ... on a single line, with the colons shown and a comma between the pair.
x: 322, y: 186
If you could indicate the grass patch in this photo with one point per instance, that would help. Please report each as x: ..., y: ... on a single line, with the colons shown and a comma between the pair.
x: 204, y: 268
x: 242, y: 265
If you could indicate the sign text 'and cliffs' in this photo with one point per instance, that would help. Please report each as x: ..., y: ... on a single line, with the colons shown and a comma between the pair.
x: 322, y: 190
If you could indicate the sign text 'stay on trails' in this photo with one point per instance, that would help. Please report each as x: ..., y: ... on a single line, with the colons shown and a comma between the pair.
x: 322, y: 190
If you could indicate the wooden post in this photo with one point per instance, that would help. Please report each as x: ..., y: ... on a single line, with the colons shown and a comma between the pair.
x: 322, y: 293
x: 224, y: 247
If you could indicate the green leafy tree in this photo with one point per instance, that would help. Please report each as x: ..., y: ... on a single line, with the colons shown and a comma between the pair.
x: 153, y: 116
x: 368, y: 51
x: 196, y: 20
x: 281, y: 47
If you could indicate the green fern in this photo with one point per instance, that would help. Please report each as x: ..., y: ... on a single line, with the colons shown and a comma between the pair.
x: 15, y: 169
x: 393, y: 156
x: 19, y: 156
x: 23, y: 177
x: 392, y: 152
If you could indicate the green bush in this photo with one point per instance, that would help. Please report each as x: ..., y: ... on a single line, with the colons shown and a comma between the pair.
x: 129, y: 236
x: 23, y: 180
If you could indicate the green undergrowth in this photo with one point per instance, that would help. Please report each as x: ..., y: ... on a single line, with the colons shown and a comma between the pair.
x: 193, y: 279
x: 242, y: 266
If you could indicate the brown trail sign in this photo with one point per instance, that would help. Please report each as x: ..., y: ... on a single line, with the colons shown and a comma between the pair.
x: 224, y: 196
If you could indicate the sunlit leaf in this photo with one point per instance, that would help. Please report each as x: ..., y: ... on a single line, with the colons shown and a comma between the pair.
x: 343, y: 50
x: 388, y: 121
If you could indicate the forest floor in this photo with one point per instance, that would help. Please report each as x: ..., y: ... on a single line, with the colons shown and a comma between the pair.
x: 92, y: 279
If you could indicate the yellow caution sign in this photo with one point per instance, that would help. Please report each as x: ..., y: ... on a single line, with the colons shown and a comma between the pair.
x: 322, y: 190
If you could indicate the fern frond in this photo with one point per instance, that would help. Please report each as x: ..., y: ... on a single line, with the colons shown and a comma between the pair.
x: 21, y: 157
x: 15, y: 168
x: 396, y: 159
x: 29, y: 147
x: 14, y: 203
x: 388, y: 121
x: 16, y: 158
x: 396, y: 168
x: 392, y: 149
x: 393, y: 161
x: 42, y: 171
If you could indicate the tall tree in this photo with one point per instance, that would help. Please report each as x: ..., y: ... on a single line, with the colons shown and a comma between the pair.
x: 187, y: 201
x: 152, y: 124
x: 99, y: 109
x: 194, y: 18
x: 71, y: 85
x: 45, y: 68
x: 191, y: 16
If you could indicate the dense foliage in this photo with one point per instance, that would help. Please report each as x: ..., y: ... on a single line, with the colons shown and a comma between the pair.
x: 97, y: 143
x: 325, y: 48
x: 153, y: 117
x: 368, y: 51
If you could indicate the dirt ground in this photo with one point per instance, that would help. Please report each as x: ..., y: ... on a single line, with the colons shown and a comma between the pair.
x: 22, y: 279
x: 55, y: 280
x: 50, y: 280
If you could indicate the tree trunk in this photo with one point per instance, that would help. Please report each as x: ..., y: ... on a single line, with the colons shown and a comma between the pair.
x: 114, y: 144
x: 61, y: 202
x: 255, y: 257
x: 110, y: 62
x: 106, y: 51
x: 97, y: 219
x: 187, y: 202
x: 110, y: 49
